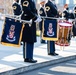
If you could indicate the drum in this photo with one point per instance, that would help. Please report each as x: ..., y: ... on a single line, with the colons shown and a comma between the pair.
x: 64, y: 34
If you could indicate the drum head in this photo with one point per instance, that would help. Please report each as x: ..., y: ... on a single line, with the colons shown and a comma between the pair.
x: 65, y: 24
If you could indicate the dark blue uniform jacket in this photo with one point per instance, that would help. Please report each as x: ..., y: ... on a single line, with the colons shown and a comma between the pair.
x: 42, y: 13
x: 29, y: 12
x: 51, y: 9
x: 16, y: 9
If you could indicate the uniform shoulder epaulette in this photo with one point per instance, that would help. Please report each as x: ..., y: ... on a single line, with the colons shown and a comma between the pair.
x: 25, y: 3
x: 47, y: 8
x: 14, y: 7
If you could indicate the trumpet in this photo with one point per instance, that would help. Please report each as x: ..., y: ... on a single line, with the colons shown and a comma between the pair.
x: 62, y: 18
x: 14, y: 17
x: 52, y: 18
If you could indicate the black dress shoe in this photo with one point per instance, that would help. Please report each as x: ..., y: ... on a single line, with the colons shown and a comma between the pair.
x: 53, y: 54
x: 30, y: 60
x: 43, y: 42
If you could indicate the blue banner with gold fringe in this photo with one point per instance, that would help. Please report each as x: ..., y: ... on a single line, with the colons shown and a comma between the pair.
x: 12, y: 32
x: 50, y: 30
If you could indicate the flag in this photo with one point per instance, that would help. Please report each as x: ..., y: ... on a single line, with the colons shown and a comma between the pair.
x: 50, y: 30
x: 12, y: 32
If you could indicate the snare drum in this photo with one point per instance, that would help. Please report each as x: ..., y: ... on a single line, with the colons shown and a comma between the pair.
x: 64, y: 34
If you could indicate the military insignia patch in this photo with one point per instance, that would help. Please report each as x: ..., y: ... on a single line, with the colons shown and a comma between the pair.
x: 12, y: 32
x: 14, y: 7
x: 47, y: 8
x: 75, y: 11
x: 25, y: 3
x: 10, y: 37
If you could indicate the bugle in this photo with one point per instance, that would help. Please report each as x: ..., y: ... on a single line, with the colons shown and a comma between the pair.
x: 62, y: 18
x: 14, y: 17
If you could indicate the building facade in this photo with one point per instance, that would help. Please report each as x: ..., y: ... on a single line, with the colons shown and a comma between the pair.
x: 71, y: 3
x: 6, y: 6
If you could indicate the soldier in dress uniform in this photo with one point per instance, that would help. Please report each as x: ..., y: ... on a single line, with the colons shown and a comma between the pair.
x: 66, y: 12
x: 16, y: 8
x: 51, y: 11
x: 42, y: 13
x: 74, y: 9
x: 74, y: 23
x: 29, y: 31
x: 71, y: 14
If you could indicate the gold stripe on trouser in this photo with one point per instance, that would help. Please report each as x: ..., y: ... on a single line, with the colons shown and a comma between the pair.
x: 41, y: 36
x: 24, y: 50
x: 48, y: 46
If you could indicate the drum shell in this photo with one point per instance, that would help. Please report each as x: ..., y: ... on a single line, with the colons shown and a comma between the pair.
x: 64, y: 34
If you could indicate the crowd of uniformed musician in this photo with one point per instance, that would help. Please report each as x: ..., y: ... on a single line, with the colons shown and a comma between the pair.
x: 27, y: 10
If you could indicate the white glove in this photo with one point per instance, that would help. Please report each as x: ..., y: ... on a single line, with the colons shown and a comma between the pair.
x: 38, y: 20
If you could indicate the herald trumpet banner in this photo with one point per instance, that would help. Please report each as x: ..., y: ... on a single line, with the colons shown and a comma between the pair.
x: 58, y: 30
x: 12, y: 30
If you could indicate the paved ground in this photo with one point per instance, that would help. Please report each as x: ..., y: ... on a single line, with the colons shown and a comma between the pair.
x: 65, y: 68
x: 11, y: 58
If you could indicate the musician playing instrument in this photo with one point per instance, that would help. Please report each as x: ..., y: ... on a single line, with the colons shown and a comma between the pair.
x: 74, y: 23
x: 66, y: 12
x: 51, y: 11
x: 42, y: 13
x: 65, y: 27
x: 29, y: 32
x: 71, y: 14
x: 17, y: 10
